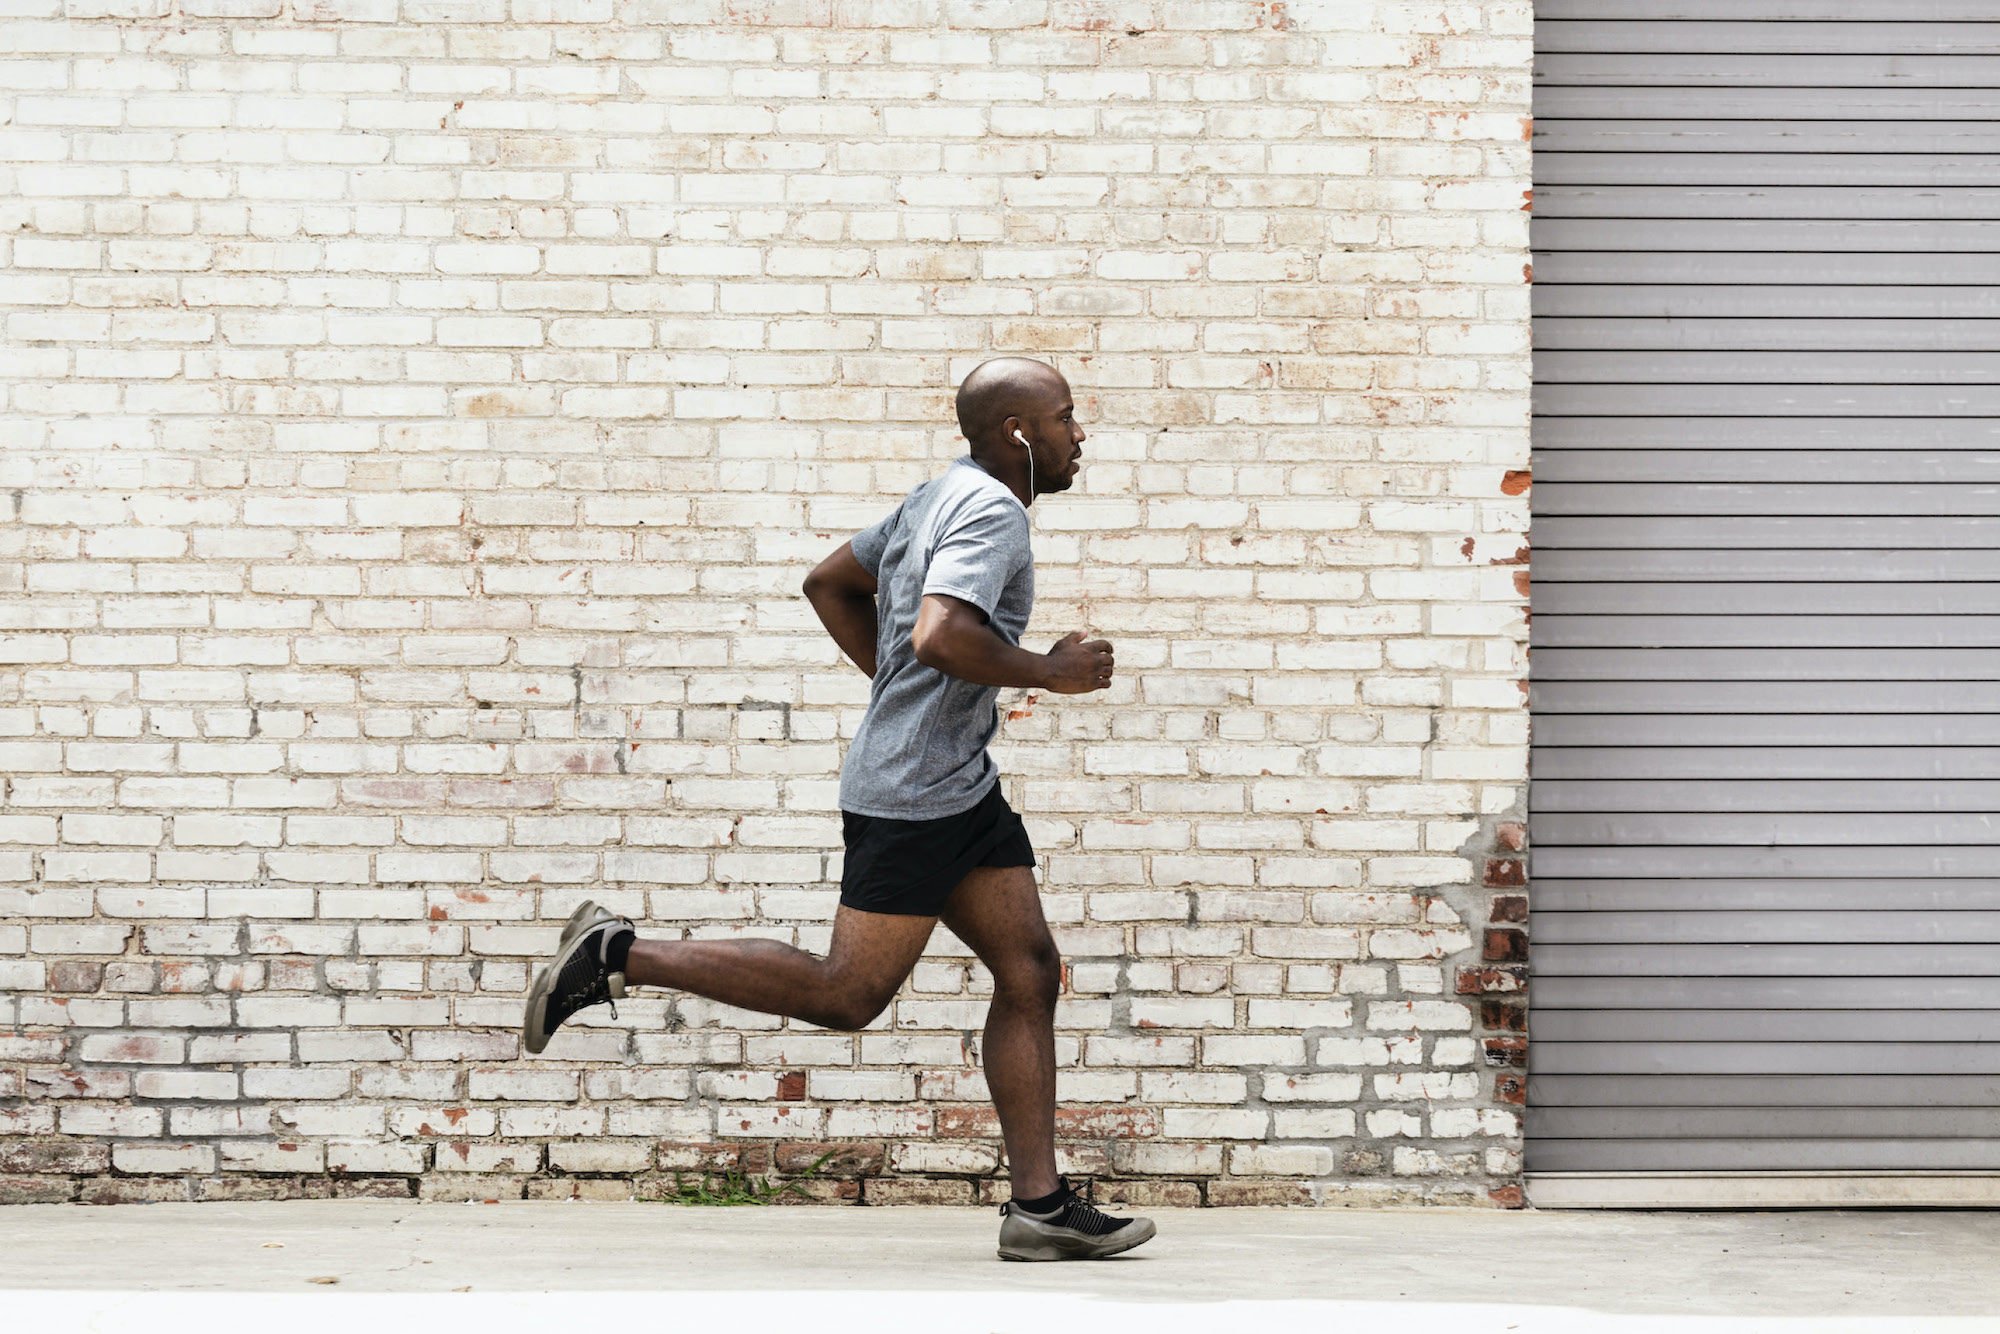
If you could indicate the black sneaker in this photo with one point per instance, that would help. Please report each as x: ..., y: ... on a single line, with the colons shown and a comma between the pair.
x: 577, y: 978
x: 1076, y: 1231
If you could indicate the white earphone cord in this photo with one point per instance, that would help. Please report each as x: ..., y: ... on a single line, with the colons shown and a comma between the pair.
x: 1079, y: 546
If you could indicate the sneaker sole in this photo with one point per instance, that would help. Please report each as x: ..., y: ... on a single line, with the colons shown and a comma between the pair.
x: 1062, y: 1248
x: 534, y: 1035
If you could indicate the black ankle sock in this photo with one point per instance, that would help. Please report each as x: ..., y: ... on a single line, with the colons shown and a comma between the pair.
x: 1047, y: 1204
x: 617, y: 948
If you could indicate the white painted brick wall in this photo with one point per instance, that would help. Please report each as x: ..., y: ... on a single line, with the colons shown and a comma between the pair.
x: 419, y: 415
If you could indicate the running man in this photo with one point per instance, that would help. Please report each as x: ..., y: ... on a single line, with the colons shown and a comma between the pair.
x: 931, y: 603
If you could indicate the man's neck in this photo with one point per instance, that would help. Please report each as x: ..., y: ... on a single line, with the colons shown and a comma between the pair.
x: 1015, y: 480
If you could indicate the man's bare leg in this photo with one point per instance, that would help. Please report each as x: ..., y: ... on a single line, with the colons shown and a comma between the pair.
x: 997, y: 910
x: 870, y: 956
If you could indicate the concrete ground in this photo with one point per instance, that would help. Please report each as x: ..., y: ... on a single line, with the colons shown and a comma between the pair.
x: 886, y: 1271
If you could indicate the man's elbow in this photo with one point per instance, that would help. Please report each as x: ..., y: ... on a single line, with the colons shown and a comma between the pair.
x: 927, y: 646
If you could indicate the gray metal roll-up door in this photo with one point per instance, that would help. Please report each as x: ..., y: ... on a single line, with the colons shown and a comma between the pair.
x: 1766, y: 633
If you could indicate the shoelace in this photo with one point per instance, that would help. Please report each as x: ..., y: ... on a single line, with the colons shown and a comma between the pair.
x: 1080, y: 1215
x: 597, y: 990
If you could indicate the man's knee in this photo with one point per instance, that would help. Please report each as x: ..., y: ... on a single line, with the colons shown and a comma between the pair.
x: 856, y: 1009
x: 1034, y: 976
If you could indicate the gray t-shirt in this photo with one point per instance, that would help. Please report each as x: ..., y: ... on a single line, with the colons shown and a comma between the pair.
x: 921, y: 750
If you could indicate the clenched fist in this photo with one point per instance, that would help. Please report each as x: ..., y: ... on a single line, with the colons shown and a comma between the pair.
x: 1076, y: 667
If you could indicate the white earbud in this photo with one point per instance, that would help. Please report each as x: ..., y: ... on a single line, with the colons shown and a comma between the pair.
x: 1031, y: 460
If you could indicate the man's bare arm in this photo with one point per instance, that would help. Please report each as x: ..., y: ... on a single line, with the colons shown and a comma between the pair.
x: 952, y: 636
x: 842, y: 593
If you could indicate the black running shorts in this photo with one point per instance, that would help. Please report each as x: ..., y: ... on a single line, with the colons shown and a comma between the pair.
x: 910, y: 867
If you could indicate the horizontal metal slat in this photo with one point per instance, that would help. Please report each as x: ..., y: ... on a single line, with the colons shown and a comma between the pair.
x: 1911, y: 830
x: 1555, y: 334
x: 1830, y: 756
x: 1661, y: 861
x: 1767, y: 664
x: 1813, y: 743
x: 1718, y: 36
x: 1883, y: 598
x: 1780, y: 898
x: 1654, y: 499
x: 1812, y: 1026
x: 1755, y: 432
x: 1876, y: 467
x: 1702, y: 132
x: 1724, y: 1155
x: 1642, y: 268
x: 1556, y: 102
x: 1779, y: 532
x: 1568, y: 567
x: 1852, y: 959
x: 1652, y: 68
x: 1758, y: 1090
x: 1706, y: 713
x: 1750, y: 927
x: 1762, y: 1122
x: 1612, y: 305
x: 1709, y: 369
x: 1776, y: 11
x: 1913, y: 170
x: 1767, y: 995
x: 1777, y: 1058
x: 1802, y: 795
x: 1775, y: 632
x: 1777, y: 400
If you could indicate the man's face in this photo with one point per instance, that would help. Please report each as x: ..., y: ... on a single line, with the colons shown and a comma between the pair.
x: 1056, y: 439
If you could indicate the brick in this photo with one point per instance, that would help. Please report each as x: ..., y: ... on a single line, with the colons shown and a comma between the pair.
x: 54, y: 1156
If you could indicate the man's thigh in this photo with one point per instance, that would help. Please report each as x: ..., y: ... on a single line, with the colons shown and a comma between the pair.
x: 875, y: 950
x: 997, y: 910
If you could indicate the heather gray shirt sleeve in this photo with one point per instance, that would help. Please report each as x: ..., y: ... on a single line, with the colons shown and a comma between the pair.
x: 980, y: 553
x: 872, y: 541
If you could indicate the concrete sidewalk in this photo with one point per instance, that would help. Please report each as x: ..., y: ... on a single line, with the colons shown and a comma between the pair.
x: 886, y: 1270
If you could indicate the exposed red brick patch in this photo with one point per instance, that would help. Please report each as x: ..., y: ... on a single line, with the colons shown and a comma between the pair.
x: 886, y: 1190
x: 695, y: 1156
x: 35, y: 1190
x: 847, y: 1160
x: 1483, y: 981
x: 1252, y: 1193
x: 75, y: 975
x: 1106, y: 1123
x: 968, y: 1123
x: 1510, y: 908
x: 1505, y: 872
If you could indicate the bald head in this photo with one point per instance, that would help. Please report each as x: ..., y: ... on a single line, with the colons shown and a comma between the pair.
x: 1005, y: 387
x: 1020, y: 420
